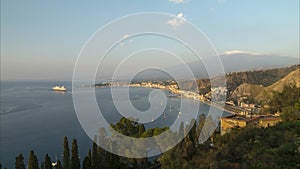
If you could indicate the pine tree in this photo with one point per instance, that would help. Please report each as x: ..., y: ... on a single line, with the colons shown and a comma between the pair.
x: 75, y: 162
x: 66, y: 154
x: 33, y: 161
x: 19, y: 164
x: 58, y: 165
x: 48, y: 164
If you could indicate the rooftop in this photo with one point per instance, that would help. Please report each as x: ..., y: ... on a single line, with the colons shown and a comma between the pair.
x: 240, y: 117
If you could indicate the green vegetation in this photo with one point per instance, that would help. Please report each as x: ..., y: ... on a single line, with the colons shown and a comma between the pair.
x: 48, y: 164
x: 273, y: 147
x: 19, y: 164
x: 287, y: 102
x: 33, y: 161
x: 133, y: 129
x: 75, y: 162
x: 66, y: 154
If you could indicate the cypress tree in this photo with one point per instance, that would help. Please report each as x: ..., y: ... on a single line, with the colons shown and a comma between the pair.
x: 87, y: 162
x: 193, y: 133
x: 75, y: 162
x: 48, y: 164
x: 58, y: 165
x: 19, y: 164
x: 95, y: 160
x: 66, y: 154
x: 33, y: 161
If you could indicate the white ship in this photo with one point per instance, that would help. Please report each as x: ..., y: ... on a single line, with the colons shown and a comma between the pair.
x: 59, y: 88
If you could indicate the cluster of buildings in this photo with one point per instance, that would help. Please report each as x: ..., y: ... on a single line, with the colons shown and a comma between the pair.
x: 236, y: 121
x: 172, y: 87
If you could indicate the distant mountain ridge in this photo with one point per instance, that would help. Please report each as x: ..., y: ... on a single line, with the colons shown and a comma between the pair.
x: 239, y: 61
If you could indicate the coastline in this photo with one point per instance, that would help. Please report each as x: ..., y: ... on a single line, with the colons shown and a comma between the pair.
x: 215, y: 105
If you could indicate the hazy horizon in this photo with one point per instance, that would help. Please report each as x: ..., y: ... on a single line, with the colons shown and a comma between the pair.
x: 41, y: 40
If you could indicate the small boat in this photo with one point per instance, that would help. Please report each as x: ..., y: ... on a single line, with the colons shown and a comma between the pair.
x: 59, y: 88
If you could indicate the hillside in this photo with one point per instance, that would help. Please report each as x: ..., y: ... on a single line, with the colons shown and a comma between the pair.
x: 258, y: 93
x: 292, y: 78
x: 257, y: 77
x: 247, y: 90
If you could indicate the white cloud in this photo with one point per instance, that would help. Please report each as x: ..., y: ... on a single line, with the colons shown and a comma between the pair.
x: 177, y: 21
x: 239, y: 52
x: 177, y: 1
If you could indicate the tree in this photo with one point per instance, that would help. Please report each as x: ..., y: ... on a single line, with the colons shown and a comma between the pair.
x: 58, y: 165
x: 66, y: 154
x: 48, y: 164
x: 33, y: 161
x: 127, y: 127
x: 75, y: 162
x: 87, y: 162
x: 19, y: 164
x: 287, y: 102
x: 95, y: 159
x: 172, y: 159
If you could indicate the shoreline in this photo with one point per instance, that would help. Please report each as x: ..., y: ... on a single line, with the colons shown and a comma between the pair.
x: 215, y: 105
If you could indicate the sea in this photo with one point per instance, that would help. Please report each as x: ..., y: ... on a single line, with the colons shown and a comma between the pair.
x: 33, y: 117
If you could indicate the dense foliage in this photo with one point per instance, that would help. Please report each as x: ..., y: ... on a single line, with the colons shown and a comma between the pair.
x: 286, y: 102
x: 273, y: 147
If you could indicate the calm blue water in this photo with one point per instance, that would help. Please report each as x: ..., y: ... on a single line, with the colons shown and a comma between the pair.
x: 34, y: 117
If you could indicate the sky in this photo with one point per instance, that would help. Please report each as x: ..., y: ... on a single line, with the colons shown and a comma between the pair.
x: 40, y: 40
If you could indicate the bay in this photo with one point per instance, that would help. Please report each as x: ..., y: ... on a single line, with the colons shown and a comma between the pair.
x: 35, y: 118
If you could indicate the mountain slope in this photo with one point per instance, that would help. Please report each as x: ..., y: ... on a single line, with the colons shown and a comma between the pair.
x: 291, y: 79
x: 247, y: 90
x: 258, y: 93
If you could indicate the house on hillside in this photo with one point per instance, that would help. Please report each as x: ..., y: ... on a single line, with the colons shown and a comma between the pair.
x: 237, y: 121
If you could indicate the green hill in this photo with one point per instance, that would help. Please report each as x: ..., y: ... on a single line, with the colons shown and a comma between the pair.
x: 260, y: 94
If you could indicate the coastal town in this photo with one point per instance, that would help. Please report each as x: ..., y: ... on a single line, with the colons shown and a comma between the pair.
x: 242, y: 114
